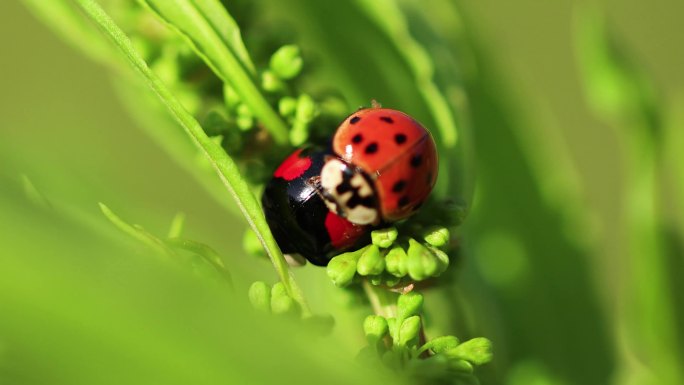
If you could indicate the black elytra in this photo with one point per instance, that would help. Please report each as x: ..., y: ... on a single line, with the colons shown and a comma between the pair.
x: 296, y: 213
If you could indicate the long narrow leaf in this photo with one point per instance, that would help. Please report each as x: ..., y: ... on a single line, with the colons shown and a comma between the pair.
x: 191, y: 22
x: 224, y: 165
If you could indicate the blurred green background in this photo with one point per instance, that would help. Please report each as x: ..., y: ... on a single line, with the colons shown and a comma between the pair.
x: 550, y: 272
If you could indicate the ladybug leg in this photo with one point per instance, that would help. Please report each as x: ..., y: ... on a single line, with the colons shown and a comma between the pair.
x: 295, y: 259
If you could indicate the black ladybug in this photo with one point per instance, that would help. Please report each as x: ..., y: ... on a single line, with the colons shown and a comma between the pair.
x: 299, y: 217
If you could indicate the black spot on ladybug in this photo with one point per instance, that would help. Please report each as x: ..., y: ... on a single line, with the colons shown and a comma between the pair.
x: 428, y: 179
x: 399, y: 138
x: 371, y: 148
x: 356, y: 200
x: 387, y: 119
x: 358, y: 138
x: 403, y: 201
x: 343, y: 188
x: 399, y: 186
x: 354, y: 120
x: 416, y: 161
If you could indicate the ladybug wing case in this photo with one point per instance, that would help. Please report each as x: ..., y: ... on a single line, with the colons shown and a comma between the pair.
x: 298, y: 217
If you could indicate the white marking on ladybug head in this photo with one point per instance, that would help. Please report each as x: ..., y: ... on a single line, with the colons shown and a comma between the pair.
x: 348, y: 193
x: 362, y: 215
x: 363, y: 188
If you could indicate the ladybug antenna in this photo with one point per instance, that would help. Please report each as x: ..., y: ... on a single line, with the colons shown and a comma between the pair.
x: 375, y: 104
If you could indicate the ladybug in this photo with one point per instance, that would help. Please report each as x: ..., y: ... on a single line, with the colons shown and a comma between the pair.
x: 384, y: 169
x: 298, y: 215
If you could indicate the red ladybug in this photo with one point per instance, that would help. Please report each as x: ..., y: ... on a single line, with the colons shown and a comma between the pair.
x: 385, y: 168
x: 297, y: 215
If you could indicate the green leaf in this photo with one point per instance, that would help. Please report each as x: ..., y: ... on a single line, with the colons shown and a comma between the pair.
x: 224, y: 165
x: 177, y: 223
x: 388, y: 17
x: 207, y: 253
x: 137, y: 232
x: 66, y: 20
x: 194, y: 20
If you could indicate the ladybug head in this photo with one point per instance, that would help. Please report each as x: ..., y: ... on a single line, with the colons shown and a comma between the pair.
x: 349, y: 192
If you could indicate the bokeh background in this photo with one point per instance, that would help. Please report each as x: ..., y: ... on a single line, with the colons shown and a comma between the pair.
x: 572, y: 255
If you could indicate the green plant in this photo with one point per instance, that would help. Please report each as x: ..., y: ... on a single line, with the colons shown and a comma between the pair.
x: 186, y: 51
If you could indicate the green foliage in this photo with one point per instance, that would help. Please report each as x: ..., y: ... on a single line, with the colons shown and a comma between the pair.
x: 547, y: 249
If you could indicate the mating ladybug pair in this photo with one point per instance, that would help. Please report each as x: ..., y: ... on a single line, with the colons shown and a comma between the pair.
x: 380, y: 168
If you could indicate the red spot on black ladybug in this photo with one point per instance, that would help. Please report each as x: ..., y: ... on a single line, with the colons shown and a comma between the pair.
x: 403, y: 201
x: 358, y: 138
x: 399, y: 138
x: 342, y: 233
x: 387, y: 119
x: 354, y: 120
x: 293, y: 167
x: 416, y: 161
x: 371, y: 148
x: 399, y: 186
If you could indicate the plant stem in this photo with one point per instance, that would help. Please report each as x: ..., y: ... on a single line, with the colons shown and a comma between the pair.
x: 381, y: 300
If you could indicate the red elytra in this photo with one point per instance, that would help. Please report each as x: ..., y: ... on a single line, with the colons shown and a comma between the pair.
x: 293, y: 166
x: 396, y: 151
x: 342, y: 232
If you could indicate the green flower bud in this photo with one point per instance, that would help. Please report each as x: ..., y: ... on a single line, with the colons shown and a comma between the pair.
x: 408, y: 332
x: 392, y: 325
x: 390, y: 280
x: 306, y: 109
x: 436, y: 236
x: 287, y: 106
x: 375, y: 328
x: 384, y: 237
x: 371, y: 261
x: 376, y: 280
x: 396, y: 262
x: 281, y: 302
x: 442, y: 261
x: 230, y: 97
x: 244, y: 119
x: 299, y: 133
x: 342, y: 268
x: 252, y: 245
x: 461, y: 366
x: 286, y: 62
x: 421, y: 262
x: 260, y: 296
x: 441, y: 344
x: 271, y: 83
x: 477, y: 351
x: 409, y: 304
